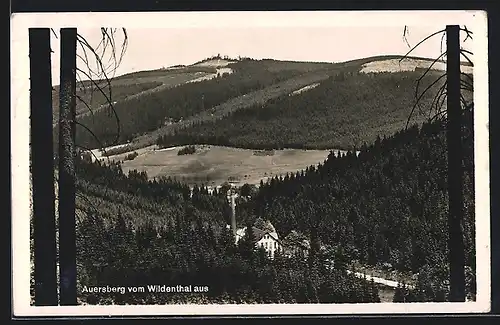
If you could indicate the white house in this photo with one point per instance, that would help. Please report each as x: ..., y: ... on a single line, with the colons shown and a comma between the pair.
x: 266, y: 238
x: 269, y: 241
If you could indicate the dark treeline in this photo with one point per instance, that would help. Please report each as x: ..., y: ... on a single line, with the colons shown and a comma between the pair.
x: 188, y: 150
x: 388, y: 205
x: 385, y: 207
x: 140, y: 200
x: 117, y: 255
x: 134, y: 232
x: 149, y: 112
x: 342, y: 112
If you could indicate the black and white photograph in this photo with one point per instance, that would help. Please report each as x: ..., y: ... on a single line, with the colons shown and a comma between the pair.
x: 235, y: 163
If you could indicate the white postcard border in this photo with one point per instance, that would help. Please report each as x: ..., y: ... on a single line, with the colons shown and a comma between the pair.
x: 20, y: 150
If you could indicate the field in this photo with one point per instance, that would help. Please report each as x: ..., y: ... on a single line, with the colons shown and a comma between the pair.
x: 214, y: 165
x: 410, y: 64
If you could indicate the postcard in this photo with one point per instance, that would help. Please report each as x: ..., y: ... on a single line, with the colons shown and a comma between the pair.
x: 250, y: 163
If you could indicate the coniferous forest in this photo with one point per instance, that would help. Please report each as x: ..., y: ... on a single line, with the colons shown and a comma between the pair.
x: 330, y: 115
x: 146, y: 113
x: 134, y: 233
x: 386, y: 205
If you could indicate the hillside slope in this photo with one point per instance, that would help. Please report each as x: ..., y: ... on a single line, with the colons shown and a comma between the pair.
x: 386, y: 207
x: 342, y: 112
x: 97, y: 95
x: 160, y: 102
x: 135, y: 233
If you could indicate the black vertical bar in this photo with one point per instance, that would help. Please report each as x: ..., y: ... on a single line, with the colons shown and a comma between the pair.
x: 44, y: 223
x: 494, y: 103
x: 455, y: 156
x: 67, y: 107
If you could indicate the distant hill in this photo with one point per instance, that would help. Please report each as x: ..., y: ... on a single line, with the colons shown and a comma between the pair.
x: 155, y: 103
x: 342, y: 112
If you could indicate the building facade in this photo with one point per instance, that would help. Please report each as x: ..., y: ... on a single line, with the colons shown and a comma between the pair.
x: 266, y: 237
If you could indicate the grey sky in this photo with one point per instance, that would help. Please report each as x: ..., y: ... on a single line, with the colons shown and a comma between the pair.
x: 156, y: 48
x: 165, y: 39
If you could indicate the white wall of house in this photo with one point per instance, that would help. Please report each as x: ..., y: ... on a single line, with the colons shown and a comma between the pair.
x: 270, y: 243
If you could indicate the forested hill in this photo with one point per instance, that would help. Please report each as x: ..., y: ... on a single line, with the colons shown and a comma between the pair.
x: 342, y: 112
x: 386, y: 205
x: 132, y: 232
x: 143, y: 114
x: 246, y: 102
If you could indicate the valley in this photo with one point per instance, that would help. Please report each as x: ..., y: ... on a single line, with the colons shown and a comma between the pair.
x: 215, y: 165
x: 330, y: 149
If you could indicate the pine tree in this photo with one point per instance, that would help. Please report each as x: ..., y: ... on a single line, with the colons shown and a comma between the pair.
x: 399, y: 294
x: 247, y: 243
x: 374, y: 292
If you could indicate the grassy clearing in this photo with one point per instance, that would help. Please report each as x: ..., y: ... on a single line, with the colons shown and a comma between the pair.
x: 213, y: 165
x: 161, y: 73
x: 395, y: 65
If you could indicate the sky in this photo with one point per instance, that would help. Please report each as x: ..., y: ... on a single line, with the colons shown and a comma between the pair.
x: 156, y: 48
x: 166, y: 39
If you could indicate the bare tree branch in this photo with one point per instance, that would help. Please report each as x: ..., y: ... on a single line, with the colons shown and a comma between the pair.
x: 462, y: 52
x: 429, y: 68
x: 108, y: 99
x: 467, y: 76
x: 86, y: 105
x: 419, y: 97
x: 466, y: 86
x: 91, y: 133
x: 440, y: 97
x: 467, y: 32
x: 418, y: 44
x: 406, y: 32
x: 435, y: 101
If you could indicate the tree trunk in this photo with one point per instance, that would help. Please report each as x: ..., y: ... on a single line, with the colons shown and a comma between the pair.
x: 67, y: 108
x: 44, y: 223
x: 455, y: 156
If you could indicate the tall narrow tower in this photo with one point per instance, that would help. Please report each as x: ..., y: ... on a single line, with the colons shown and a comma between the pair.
x: 233, y: 212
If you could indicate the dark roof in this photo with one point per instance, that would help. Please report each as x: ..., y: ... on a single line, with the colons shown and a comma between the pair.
x: 259, y: 233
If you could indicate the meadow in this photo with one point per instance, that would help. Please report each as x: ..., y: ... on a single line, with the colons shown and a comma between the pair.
x: 215, y: 165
